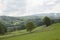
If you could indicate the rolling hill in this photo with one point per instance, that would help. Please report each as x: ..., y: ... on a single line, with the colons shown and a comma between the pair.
x: 48, y: 33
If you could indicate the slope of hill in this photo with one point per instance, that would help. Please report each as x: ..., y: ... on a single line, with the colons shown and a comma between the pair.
x: 49, y: 33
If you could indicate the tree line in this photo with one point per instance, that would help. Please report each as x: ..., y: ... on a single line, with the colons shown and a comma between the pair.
x: 29, y: 26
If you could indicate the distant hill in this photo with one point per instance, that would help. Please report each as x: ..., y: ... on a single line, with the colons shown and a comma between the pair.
x: 11, y: 21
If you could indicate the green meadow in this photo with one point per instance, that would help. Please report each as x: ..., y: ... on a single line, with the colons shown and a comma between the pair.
x: 40, y: 33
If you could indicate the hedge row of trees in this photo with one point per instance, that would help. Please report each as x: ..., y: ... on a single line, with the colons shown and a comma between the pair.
x: 29, y: 25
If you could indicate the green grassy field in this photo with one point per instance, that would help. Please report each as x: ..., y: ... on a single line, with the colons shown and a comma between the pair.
x: 41, y: 33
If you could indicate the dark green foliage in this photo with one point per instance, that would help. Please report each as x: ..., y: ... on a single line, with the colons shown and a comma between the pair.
x: 47, y: 21
x: 3, y: 29
x: 30, y: 26
x: 57, y: 20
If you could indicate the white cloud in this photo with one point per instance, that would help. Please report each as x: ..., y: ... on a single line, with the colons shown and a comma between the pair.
x: 28, y: 7
x: 46, y: 6
x: 56, y: 9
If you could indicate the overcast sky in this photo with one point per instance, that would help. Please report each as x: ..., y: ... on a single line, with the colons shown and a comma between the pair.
x: 28, y: 7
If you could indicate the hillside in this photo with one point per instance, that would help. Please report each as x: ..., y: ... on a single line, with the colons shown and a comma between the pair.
x: 10, y: 21
x: 49, y: 33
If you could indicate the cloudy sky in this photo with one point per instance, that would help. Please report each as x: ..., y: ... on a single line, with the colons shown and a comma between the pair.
x: 28, y: 7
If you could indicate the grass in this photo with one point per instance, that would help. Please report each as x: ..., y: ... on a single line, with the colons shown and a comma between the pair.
x: 49, y: 33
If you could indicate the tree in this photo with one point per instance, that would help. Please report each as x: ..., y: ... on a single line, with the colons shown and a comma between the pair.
x: 47, y: 21
x: 30, y: 26
x: 3, y: 29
